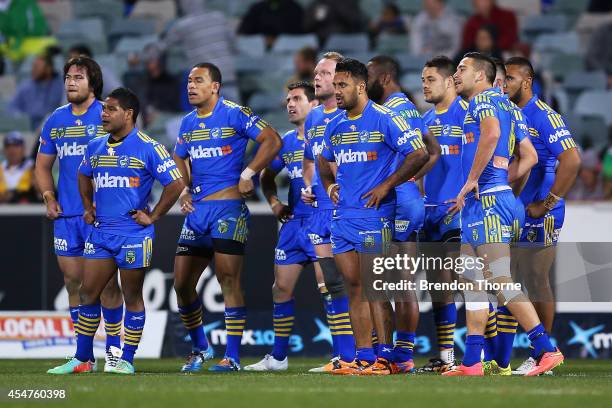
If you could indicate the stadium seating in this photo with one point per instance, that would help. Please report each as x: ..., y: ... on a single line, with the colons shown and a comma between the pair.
x: 592, y: 126
x: 107, y: 10
x: 566, y: 42
x: 595, y: 103
x: 265, y: 102
x: 132, y: 27
x: 347, y: 43
x: 411, y: 81
x: 251, y: 45
x: 90, y: 31
x: 11, y: 121
x: 161, y: 12
x: 411, y: 63
x: 289, y: 44
x: 560, y: 65
x: 548, y: 23
x: 133, y: 45
x: 580, y: 80
x: 392, y: 43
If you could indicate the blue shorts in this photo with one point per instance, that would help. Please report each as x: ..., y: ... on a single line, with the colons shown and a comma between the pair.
x: 128, y: 252
x: 519, y: 220
x: 488, y: 220
x: 319, y: 226
x: 294, y: 246
x: 368, y: 235
x: 544, y: 231
x: 69, y: 235
x: 439, y: 224
x: 217, y: 219
x: 409, y: 217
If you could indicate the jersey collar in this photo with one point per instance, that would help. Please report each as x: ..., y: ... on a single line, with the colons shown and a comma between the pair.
x: 214, y: 109
x: 395, y: 95
x: 362, y: 112
x: 129, y: 135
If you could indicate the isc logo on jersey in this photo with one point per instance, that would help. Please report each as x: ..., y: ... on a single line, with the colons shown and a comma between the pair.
x: 72, y: 149
x: 559, y: 134
x: 165, y: 166
x: 107, y: 181
x: 351, y: 156
x: 208, y: 152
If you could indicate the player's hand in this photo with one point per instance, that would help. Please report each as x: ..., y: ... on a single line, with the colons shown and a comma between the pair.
x: 307, y: 196
x: 537, y: 209
x: 186, y: 203
x: 90, y: 215
x: 376, y: 195
x: 53, y: 209
x: 281, y: 211
x: 143, y: 218
x: 246, y: 187
x: 334, y: 193
x: 459, y: 202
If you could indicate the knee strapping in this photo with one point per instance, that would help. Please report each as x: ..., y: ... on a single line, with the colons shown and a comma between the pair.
x: 332, y: 277
x: 476, y: 300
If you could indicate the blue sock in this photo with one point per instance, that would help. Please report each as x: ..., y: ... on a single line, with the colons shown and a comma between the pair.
x: 540, y: 340
x: 365, y: 354
x: 375, y: 341
x: 329, y: 312
x: 532, y: 352
x: 87, y: 325
x: 404, y: 346
x: 235, y: 321
x: 445, y: 318
x: 191, y: 315
x: 385, y: 351
x: 506, y: 330
x: 133, y: 324
x: 490, y: 336
x: 74, y: 315
x: 340, y: 326
x: 284, y: 317
x: 112, y: 326
x: 473, y: 350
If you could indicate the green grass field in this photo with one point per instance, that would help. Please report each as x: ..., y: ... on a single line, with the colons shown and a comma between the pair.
x: 579, y: 383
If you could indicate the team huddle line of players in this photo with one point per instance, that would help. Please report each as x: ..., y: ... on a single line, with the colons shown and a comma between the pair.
x: 355, y: 162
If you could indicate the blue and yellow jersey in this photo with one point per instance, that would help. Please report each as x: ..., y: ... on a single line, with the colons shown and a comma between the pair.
x: 401, y: 105
x: 314, y: 127
x: 123, y: 176
x: 445, y: 179
x: 215, y: 144
x: 489, y: 103
x: 364, y: 147
x: 291, y: 156
x: 66, y: 134
x: 550, y: 137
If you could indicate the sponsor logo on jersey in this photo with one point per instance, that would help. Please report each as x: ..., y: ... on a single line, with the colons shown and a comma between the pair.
x: 295, y: 173
x: 449, y: 149
x: 280, y: 255
x: 123, y: 161
x: 317, y: 148
x: 405, y: 138
x: 401, y: 225
x: 315, y: 239
x: 187, y: 234
x: 91, y: 130
x: 223, y: 226
x: 107, y: 181
x: 215, y: 133
x: 130, y: 257
x: 364, y: 136
x: 351, y: 156
x: 169, y: 163
x: 70, y: 149
x: 89, y: 249
x: 60, y: 244
x: 208, y: 152
x: 559, y: 134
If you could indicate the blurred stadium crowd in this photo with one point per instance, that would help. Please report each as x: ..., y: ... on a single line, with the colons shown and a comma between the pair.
x: 262, y: 45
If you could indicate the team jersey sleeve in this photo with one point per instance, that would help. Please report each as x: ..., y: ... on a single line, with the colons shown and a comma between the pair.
x: 554, y: 133
x: 327, y: 151
x: 247, y: 123
x: 278, y: 163
x: 46, y: 144
x: 521, y: 130
x: 85, y: 166
x: 161, y: 165
x: 180, y: 147
x: 400, y: 136
x: 481, y: 107
x: 308, y: 135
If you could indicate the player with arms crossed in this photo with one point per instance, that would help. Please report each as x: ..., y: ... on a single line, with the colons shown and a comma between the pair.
x: 363, y: 142
x: 384, y: 89
x: 294, y: 249
x: 209, y: 151
x: 543, y: 194
x: 487, y: 207
x: 117, y: 173
x: 333, y: 292
x: 64, y: 136
x: 442, y: 183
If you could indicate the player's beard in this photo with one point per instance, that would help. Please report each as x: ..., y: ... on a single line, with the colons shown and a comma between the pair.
x: 77, y: 99
x: 518, y: 95
x: 376, y: 91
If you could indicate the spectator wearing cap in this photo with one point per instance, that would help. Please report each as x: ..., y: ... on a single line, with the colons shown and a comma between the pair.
x: 41, y: 94
x: 487, y: 12
x: 16, y: 172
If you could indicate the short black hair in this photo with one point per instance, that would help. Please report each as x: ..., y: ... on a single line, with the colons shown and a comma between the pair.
x: 445, y: 66
x: 127, y: 100
x: 81, y: 49
x: 393, y: 8
x: 94, y: 73
x: 388, y: 65
x: 309, y: 90
x: 356, y: 68
x: 523, y: 63
x: 483, y: 62
x: 499, y: 65
x: 213, y: 71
